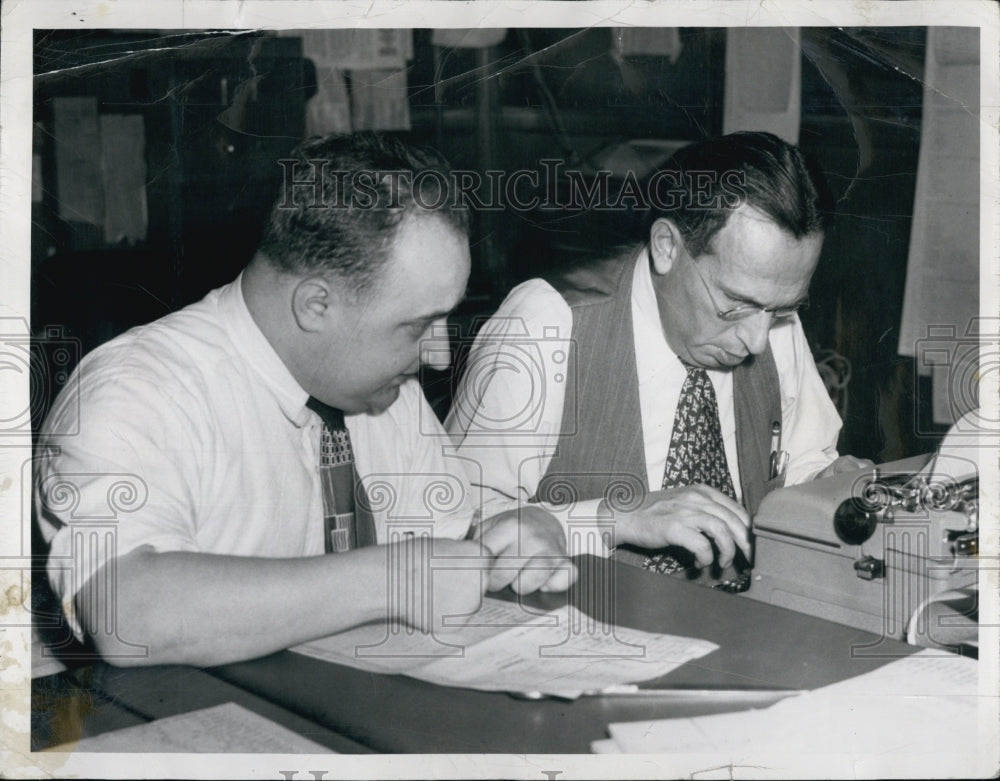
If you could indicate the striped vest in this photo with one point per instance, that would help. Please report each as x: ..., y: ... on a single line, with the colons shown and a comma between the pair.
x: 600, y: 452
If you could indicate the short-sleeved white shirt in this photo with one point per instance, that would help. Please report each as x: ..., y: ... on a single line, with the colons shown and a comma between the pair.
x: 190, y: 434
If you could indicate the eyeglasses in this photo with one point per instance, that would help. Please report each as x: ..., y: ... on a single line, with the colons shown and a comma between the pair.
x: 743, y: 311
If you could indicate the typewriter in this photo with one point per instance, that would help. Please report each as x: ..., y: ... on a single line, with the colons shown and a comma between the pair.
x: 892, y: 550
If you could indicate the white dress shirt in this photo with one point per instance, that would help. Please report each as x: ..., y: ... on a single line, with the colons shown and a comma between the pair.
x: 508, y: 411
x: 190, y: 434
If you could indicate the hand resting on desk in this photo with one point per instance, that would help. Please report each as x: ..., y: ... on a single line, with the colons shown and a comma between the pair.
x: 529, y: 549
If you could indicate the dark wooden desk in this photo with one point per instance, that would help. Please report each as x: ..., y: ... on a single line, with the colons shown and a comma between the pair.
x: 92, y: 700
x: 759, y: 646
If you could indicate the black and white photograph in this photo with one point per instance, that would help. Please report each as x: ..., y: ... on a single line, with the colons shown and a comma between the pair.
x: 499, y: 390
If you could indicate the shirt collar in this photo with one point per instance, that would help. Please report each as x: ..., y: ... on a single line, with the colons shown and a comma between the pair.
x: 645, y: 312
x: 254, y: 347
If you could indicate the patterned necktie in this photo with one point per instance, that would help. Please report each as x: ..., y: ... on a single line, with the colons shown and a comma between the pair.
x: 343, y: 527
x: 697, y: 454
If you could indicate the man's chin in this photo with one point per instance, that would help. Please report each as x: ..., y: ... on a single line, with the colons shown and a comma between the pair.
x: 718, y: 359
x: 382, y: 400
x: 732, y: 361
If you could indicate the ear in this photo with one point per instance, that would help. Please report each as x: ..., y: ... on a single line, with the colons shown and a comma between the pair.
x: 313, y: 304
x: 665, y: 245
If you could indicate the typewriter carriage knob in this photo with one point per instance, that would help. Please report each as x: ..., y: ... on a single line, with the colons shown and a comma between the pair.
x: 857, y: 518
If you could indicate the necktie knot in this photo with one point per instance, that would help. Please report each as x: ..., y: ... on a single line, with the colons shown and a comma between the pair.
x: 692, y: 370
x: 331, y: 416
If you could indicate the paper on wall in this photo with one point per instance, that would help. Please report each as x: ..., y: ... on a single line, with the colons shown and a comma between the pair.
x: 763, y: 81
x: 942, y: 276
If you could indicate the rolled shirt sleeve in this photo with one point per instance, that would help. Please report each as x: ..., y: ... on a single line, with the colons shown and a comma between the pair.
x: 107, y: 484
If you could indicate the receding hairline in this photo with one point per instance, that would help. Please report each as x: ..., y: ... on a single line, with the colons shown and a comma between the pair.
x: 410, y: 217
x: 362, y: 284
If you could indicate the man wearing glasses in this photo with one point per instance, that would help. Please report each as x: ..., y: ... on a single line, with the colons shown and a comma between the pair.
x: 664, y: 391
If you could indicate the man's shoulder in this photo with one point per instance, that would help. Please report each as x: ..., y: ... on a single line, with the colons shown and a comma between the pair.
x: 793, y: 356
x: 595, y: 280
x: 530, y: 306
x: 542, y: 307
x: 160, y: 373
x: 181, y: 341
x: 175, y: 360
x: 788, y: 340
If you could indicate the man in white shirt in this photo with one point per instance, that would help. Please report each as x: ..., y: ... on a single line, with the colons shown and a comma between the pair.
x: 572, y: 395
x: 183, y: 490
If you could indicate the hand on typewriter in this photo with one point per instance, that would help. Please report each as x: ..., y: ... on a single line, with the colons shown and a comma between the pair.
x: 693, y: 517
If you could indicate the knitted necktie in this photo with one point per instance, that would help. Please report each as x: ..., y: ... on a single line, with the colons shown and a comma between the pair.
x: 696, y: 455
x: 343, y: 527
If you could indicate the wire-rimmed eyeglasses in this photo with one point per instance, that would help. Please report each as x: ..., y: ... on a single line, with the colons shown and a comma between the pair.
x: 743, y: 311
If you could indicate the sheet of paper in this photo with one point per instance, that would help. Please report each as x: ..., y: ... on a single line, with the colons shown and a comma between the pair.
x: 357, y: 48
x: 123, y: 175
x: 912, y: 706
x: 384, y: 648
x: 929, y: 672
x: 378, y: 99
x: 763, y: 88
x: 77, y: 133
x: 226, y: 728
x: 506, y: 648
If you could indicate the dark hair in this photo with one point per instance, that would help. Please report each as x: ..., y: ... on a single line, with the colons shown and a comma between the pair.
x: 343, y: 198
x: 715, y: 176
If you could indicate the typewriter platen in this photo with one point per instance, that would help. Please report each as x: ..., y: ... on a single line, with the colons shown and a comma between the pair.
x: 891, y: 550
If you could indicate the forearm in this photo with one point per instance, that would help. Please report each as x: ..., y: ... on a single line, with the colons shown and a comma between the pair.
x: 203, y: 609
x: 589, y: 526
x: 593, y: 526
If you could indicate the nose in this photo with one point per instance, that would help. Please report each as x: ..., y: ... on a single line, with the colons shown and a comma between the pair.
x: 435, y: 351
x: 753, y: 332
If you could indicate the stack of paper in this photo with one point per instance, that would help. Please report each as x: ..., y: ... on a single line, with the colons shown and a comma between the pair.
x: 561, y: 653
x: 924, y: 704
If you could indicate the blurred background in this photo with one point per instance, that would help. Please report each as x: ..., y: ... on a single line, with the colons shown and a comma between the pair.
x: 155, y: 160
